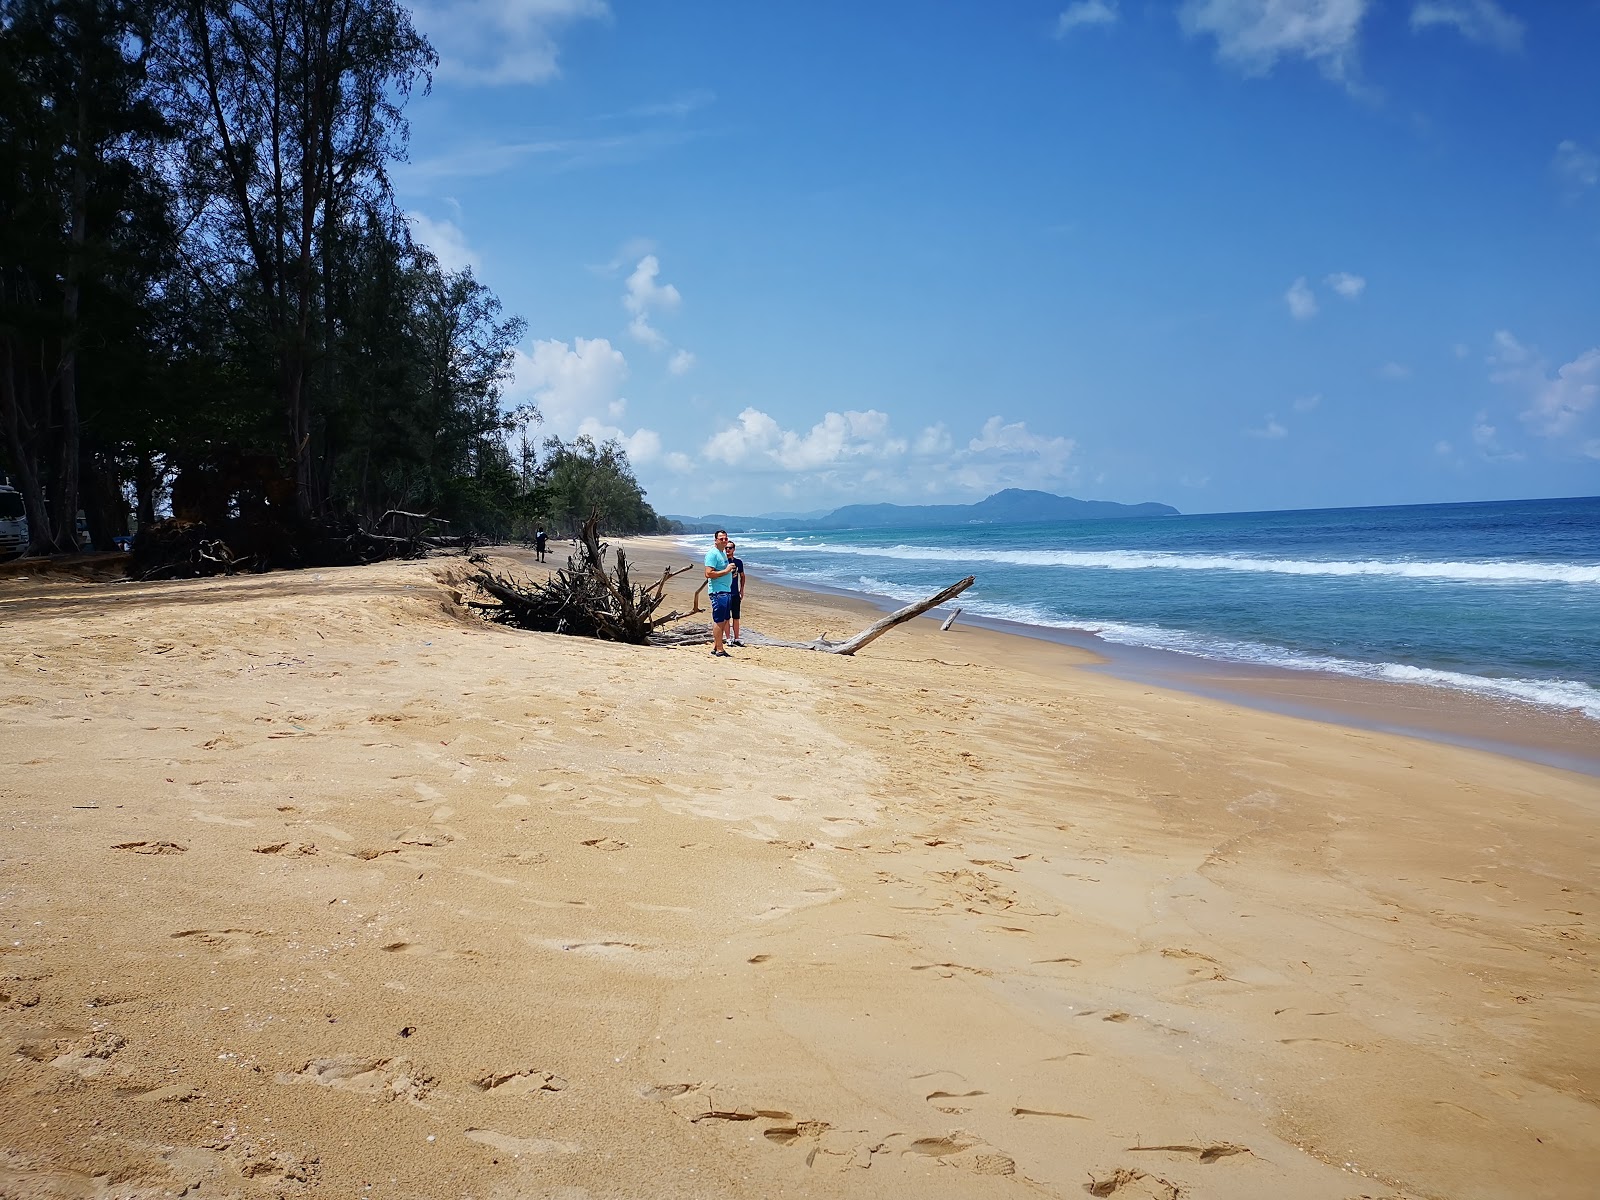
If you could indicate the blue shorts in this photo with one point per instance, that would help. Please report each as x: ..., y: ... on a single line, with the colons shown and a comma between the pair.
x: 721, y: 606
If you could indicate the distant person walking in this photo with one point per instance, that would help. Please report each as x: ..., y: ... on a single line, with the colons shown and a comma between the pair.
x: 738, y: 594
x: 538, y: 543
x: 719, y: 582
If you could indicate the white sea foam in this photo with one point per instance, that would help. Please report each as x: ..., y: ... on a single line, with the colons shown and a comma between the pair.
x: 1505, y: 572
x: 1563, y: 694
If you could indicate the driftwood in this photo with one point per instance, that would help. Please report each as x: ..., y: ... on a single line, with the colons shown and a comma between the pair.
x: 949, y: 621
x: 583, y: 598
x: 700, y: 635
x: 179, y: 549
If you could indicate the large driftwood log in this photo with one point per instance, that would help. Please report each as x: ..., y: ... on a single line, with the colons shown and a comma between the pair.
x: 702, y: 635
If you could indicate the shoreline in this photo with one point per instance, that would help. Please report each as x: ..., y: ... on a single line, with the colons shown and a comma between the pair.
x: 1524, y: 730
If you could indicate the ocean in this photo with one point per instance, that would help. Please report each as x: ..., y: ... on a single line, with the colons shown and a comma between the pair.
x: 1500, y: 599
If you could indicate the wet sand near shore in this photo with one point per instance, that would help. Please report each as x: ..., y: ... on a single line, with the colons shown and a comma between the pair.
x: 317, y: 884
x: 1565, y: 739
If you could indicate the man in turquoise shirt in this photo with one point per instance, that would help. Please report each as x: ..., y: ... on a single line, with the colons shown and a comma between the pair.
x: 719, y: 581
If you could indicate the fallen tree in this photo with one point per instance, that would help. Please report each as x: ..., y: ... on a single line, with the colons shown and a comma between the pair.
x: 583, y: 598
x: 702, y: 635
x: 178, y: 549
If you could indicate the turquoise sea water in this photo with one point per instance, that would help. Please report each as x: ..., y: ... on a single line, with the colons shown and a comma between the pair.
x: 1501, y: 599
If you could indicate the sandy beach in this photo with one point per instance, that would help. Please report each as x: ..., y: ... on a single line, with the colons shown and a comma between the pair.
x: 316, y: 884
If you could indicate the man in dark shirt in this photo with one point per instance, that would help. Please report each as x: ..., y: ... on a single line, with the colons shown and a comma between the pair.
x: 538, y: 543
x: 738, y: 591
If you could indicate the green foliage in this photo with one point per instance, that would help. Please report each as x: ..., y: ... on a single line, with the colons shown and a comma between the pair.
x: 205, y: 283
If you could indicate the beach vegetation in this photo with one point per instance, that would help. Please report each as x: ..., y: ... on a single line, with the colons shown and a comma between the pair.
x: 212, y: 307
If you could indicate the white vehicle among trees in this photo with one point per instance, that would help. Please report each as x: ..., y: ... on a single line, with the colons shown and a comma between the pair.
x: 13, y: 523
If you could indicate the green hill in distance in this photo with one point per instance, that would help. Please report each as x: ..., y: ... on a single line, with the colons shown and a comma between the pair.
x: 1014, y: 506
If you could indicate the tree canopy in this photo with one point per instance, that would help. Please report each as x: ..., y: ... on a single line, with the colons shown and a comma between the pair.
x: 211, y: 303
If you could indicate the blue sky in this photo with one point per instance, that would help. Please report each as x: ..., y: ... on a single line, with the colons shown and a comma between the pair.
x: 1225, y: 254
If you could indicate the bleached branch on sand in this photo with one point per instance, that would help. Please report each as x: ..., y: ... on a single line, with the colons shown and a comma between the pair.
x: 702, y: 636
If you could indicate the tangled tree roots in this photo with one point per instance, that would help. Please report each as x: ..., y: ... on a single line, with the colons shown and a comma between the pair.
x: 177, y: 549
x: 582, y: 598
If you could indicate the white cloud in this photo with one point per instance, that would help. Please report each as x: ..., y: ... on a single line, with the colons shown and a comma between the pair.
x: 759, y: 440
x: 1086, y: 13
x: 492, y: 42
x: 681, y: 362
x: 1305, y: 404
x: 572, y: 383
x: 935, y: 439
x: 850, y: 453
x: 1576, y: 166
x: 1272, y: 430
x: 1481, y: 21
x: 1394, y: 370
x: 1347, y: 285
x: 1301, y: 300
x: 1487, y: 439
x: 445, y: 240
x: 997, y: 437
x: 578, y: 389
x: 644, y: 296
x: 641, y: 330
x: 1557, y: 404
x: 1254, y: 34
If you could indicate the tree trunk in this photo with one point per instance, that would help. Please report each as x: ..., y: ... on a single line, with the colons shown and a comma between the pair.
x: 144, y: 489
x: 20, y: 440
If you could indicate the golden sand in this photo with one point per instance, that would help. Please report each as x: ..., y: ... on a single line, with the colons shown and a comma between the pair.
x: 314, y: 884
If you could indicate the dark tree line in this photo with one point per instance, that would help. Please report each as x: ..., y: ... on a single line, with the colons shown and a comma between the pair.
x: 210, y: 300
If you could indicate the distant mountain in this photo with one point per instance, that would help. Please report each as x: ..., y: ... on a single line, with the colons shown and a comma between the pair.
x: 1014, y: 506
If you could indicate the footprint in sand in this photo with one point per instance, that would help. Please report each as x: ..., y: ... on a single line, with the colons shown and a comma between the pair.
x: 380, y: 1078
x: 152, y: 847
x: 524, y: 1081
x: 288, y: 849
x: 606, y: 843
x: 951, y: 1102
x: 214, y: 819
x: 421, y: 835
x: 234, y: 941
x: 88, y: 1055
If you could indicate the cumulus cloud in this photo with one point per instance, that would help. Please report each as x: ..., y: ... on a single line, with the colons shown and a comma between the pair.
x: 1086, y: 13
x: 572, y: 383
x: 1347, y: 285
x: 1577, y: 167
x: 1481, y: 21
x: 644, y: 297
x: 494, y: 42
x: 1301, y: 300
x: 858, y: 452
x: 681, y: 362
x: 1271, y: 430
x: 1560, y: 401
x: 838, y: 438
x: 935, y: 439
x: 1254, y: 35
x: 1556, y: 404
x: 446, y: 241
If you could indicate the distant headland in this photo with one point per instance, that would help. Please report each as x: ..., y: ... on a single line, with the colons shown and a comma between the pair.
x: 1010, y: 507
